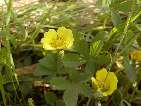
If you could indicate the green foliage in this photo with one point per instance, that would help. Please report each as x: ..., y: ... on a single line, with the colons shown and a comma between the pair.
x: 60, y: 83
x: 51, y: 98
x: 104, y: 37
x: 122, y: 5
x: 47, y: 65
x: 81, y: 47
x: 117, y: 98
x: 129, y: 70
x: 71, y: 95
x: 72, y: 60
x: 116, y: 18
x: 95, y: 48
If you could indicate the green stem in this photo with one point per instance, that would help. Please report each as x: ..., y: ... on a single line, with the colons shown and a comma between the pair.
x: 88, y: 102
x: 129, y: 20
x: 2, y: 88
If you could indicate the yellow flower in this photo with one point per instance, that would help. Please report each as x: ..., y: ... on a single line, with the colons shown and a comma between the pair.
x: 136, y: 55
x: 60, y: 39
x: 106, y: 82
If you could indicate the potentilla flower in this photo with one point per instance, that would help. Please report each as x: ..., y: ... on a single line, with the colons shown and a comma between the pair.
x: 106, y: 82
x: 136, y: 55
x: 60, y: 39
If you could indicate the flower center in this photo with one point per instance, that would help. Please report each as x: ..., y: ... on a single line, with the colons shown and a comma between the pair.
x: 58, y: 43
x: 103, y: 86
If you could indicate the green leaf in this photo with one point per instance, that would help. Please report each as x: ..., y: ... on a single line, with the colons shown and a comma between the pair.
x: 94, y: 62
x: 116, y: 98
x: 72, y: 60
x: 96, y: 48
x: 128, y: 41
x: 121, y: 5
x: 74, y: 75
x: 42, y: 70
x: 86, y: 90
x: 49, y: 61
x: 60, y: 103
x: 82, y: 47
x: 26, y: 84
x: 103, y: 59
x: 60, y: 83
x: 78, y: 76
x: 2, y: 90
x: 51, y: 98
x: 85, y: 76
x: 91, y: 66
x: 3, y: 55
x: 101, y: 36
x: 103, y: 3
x: 116, y: 19
x: 123, y: 80
x: 26, y: 88
x: 139, y: 40
x: 47, y: 65
x: 129, y: 70
x: 4, y: 58
x: 71, y: 95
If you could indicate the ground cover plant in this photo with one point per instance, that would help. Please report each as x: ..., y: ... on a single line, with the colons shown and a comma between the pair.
x: 70, y: 53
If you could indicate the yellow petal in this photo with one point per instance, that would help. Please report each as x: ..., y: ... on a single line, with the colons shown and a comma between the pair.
x: 94, y: 81
x: 50, y: 35
x: 109, y: 92
x: 111, y: 82
x: 62, y: 39
x: 110, y: 78
x: 47, y: 46
x: 106, y: 82
x: 49, y: 39
x: 136, y: 55
x: 113, y: 87
x: 66, y: 35
x: 101, y: 74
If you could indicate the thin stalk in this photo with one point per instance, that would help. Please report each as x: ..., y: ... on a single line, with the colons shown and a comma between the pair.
x: 88, y: 102
x: 124, y: 35
x: 6, y: 37
x: 2, y: 88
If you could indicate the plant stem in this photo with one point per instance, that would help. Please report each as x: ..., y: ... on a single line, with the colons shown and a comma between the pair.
x: 89, y: 101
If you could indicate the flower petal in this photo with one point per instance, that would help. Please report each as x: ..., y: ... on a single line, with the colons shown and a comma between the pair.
x: 111, y: 78
x: 51, y: 34
x: 101, y: 74
x: 111, y: 81
x: 94, y: 81
x: 136, y: 55
x: 106, y: 82
x: 66, y: 35
x: 49, y: 39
